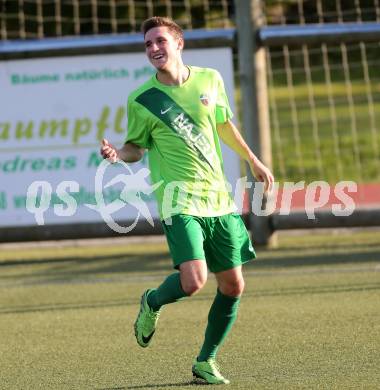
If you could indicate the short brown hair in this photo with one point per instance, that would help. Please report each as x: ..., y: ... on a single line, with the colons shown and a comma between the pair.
x: 162, y: 21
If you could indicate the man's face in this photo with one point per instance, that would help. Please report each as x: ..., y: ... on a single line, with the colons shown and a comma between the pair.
x: 162, y: 48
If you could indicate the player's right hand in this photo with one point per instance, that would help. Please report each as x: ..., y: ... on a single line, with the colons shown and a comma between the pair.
x: 109, y: 152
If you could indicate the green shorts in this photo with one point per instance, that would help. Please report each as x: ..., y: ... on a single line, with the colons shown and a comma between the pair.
x: 222, y: 241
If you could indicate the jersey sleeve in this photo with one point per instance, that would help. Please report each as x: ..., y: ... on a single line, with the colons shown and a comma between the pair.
x: 139, y: 129
x: 223, y: 110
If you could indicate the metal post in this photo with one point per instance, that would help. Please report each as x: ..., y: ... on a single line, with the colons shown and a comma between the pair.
x: 254, y: 97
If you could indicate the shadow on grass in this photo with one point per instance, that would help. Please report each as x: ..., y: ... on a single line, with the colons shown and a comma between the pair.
x: 163, y: 385
x: 349, y: 247
x: 155, y: 385
x: 101, y: 267
x: 121, y: 267
x: 72, y: 268
x: 304, y: 290
x: 313, y: 259
x: 129, y: 262
x: 160, y: 261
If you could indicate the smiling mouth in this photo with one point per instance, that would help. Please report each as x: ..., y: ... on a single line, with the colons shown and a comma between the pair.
x: 158, y: 56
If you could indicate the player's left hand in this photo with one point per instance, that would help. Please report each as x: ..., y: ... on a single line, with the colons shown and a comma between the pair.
x: 262, y: 174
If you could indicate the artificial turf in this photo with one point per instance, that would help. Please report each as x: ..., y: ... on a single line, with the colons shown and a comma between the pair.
x: 309, y: 318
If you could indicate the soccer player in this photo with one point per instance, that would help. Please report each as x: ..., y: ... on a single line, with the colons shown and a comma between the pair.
x: 178, y: 116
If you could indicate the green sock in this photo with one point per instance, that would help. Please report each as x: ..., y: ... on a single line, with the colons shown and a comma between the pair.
x: 222, y: 315
x: 168, y: 292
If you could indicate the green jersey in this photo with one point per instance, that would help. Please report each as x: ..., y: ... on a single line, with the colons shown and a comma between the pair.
x: 177, y: 124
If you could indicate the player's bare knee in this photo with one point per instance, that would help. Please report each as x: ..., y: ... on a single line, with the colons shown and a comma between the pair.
x: 191, y: 287
x: 194, y: 285
x: 233, y: 288
x: 193, y: 276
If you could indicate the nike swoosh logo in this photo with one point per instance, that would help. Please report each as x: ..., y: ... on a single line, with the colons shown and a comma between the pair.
x: 163, y: 112
x: 147, y: 338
